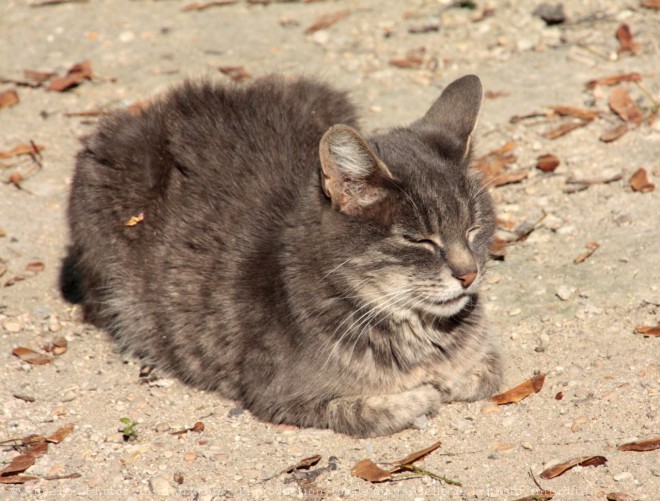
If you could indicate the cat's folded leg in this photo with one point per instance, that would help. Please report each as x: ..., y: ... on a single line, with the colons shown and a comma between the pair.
x: 364, y: 416
x: 482, y: 381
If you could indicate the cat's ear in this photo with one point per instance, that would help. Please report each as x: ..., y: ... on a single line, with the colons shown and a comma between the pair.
x: 450, y: 121
x: 352, y: 175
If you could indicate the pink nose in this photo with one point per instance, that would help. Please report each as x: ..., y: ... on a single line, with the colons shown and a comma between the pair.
x: 467, y: 279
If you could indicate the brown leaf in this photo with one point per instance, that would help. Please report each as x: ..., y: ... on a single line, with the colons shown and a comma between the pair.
x: 199, y: 6
x: 16, y: 479
x: 326, y: 20
x: 650, y: 4
x: 304, y: 464
x: 649, y: 444
x: 8, y: 98
x: 592, y: 246
x: 574, y: 111
x: 236, y: 73
x: 614, y: 79
x: 416, y: 456
x: 370, y: 471
x: 639, y: 181
x: 615, y: 133
x: 622, y: 104
x: 18, y: 464
x: 414, y: 58
x: 547, y: 163
x: 134, y: 220
x: 37, y: 449
x: 564, y: 129
x: 539, y: 496
x: 38, y: 76
x: 60, y: 434
x: 35, y: 267
x: 562, y: 468
x: 59, y: 345
x: 74, y: 76
x: 494, y: 94
x: 619, y: 496
x: 497, y: 249
x: 625, y: 38
x: 510, y: 177
x: 523, y: 390
x: 648, y: 330
x: 21, y: 149
x: 30, y: 356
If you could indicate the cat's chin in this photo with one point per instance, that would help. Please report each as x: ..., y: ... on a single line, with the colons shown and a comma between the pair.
x: 445, y: 308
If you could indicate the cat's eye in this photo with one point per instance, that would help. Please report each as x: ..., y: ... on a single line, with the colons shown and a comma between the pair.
x: 472, y: 233
x: 420, y: 241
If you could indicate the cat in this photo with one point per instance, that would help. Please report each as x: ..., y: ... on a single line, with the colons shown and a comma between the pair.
x: 250, y: 240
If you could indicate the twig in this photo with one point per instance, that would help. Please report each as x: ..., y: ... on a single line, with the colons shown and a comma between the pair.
x: 422, y: 471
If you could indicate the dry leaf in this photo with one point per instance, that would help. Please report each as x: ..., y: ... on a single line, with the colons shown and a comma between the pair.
x: 647, y: 330
x: 639, y: 181
x: 199, y: 6
x: 30, y: 356
x: 8, y: 98
x: 304, y: 464
x: 625, y: 38
x: 16, y: 479
x: 491, y: 94
x: 650, y: 4
x: 326, y: 20
x: 35, y: 267
x: 539, y: 496
x: 370, y: 471
x: 134, y: 220
x: 497, y: 249
x: 547, y: 163
x: 523, y: 390
x: 649, y: 444
x: 21, y: 149
x: 74, y: 76
x: 416, y: 456
x: 38, y: 77
x: 236, y: 73
x: 613, y: 134
x: 564, y: 129
x: 60, y: 434
x: 614, y: 79
x: 37, y: 449
x: 510, y: 177
x: 592, y: 246
x: 562, y: 468
x: 619, y: 496
x: 574, y: 111
x: 18, y: 464
x: 622, y: 104
x: 414, y: 58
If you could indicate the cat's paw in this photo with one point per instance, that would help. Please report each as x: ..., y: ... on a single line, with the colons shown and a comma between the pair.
x: 483, y: 381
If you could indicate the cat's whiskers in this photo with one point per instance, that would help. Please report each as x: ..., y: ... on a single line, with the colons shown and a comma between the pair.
x: 333, y: 270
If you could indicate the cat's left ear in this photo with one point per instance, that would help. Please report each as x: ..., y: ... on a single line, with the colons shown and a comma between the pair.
x: 352, y: 175
x: 452, y: 118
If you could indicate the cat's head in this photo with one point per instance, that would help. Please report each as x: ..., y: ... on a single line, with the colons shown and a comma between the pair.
x: 420, y: 220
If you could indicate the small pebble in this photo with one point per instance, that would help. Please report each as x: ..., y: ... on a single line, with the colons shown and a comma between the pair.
x: 189, y: 456
x: 564, y: 292
x: 619, y: 477
x: 160, y: 486
x: 12, y: 326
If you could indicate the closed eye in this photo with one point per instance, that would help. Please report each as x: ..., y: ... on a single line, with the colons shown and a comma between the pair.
x: 472, y: 233
x: 434, y: 246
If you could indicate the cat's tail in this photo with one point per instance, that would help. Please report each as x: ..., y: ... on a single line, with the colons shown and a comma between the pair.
x: 70, y: 280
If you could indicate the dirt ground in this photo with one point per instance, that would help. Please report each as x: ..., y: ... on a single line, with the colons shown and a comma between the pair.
x: 573, y: 322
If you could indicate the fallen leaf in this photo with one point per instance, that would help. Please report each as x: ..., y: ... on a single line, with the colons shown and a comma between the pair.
x: 490, y: 94
x: 8, y: 98
x: 639, y: 181
x: 497, y: 249
x: 626, y: 41
x: 414, y: 58
x: 14, y: 279
x: 559, y: 395
x: 74, y: 76
x: 615, y: 133
x: 59, y: 345
x: 326, y: 20
x: 304, y: 464
x: 619, y: 496
x: 35, y: 267
x: 574, y: 111
x: 199, y: 6
x: 30, y: 356
x: 370, y: 471
x: 416, y: 456
x: 60, y: 434
x: 622, y: 104
x: 649, y: 444
x: 564, y: 129
x: 38, y: 77
x: 134, y: 220
x: 614, y: 79
x: 547, y: 163
x: 562, y: 468
x: 510, y: 177
x: 592, y: 246
x: 650, y: 4
x: 21, y: 149
x: 16, y: 479
x: 648, y: 330
x: 37, y: 449
x: 539, y: 496
x: 523, y: 390
x: 18, y: 464
x: 236, y: 73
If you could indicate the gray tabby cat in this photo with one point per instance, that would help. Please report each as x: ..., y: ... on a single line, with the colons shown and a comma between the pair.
x: 319, y: 278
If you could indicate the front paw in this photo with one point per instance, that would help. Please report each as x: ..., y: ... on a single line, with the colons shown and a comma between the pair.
x: 482, y: 381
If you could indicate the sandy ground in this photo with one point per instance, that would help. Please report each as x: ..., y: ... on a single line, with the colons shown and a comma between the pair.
x: 573, y: 322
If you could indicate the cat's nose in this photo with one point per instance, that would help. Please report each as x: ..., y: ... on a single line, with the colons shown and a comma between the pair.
x: 467, y: 279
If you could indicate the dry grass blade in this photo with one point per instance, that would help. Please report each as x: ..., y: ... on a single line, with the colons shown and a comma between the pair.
x: 574, y: 111
x: 416, y: 456
x: 562, y: 468
x: 370, y: 471
x: 648, y: 330
x: 8, y: 98
x: 592, y: 246
x: 326, y: 20
x: 564, y: 129
x: 639, y: 181
x: 614, y: 79
x: 21, y: 149
x: 615, y: 133
x: 200, y: 6
x: 649, y: 444
x: 30, y: 356
x: 414, y: 58
x: 518, y: 393
x: 622, y: 104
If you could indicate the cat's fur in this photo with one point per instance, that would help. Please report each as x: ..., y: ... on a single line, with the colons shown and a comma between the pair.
x: 318, y: 278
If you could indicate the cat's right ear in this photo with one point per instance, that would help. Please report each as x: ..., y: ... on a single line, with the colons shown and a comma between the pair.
x: 452, y: 118
x: 352, y: 176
